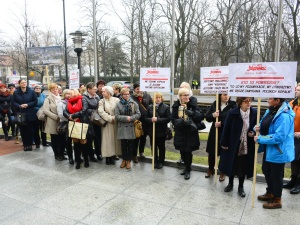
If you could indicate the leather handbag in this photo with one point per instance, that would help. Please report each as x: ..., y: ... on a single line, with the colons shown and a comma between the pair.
x: 169, y: 134
x: 96, y: 119
x: 41, y: 114
x: 77, y: 130
x: 20, y: 119
x: 138, y: 129
x: 62, y: 127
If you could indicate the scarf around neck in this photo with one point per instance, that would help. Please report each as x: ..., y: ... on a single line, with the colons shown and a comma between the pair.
x: 126, y: 105
x: 75, y: 104
x: 243, y: 149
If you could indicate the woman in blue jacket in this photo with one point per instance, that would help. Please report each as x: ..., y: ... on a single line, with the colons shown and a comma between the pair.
x: 276, y: 140
x: 40, y: 125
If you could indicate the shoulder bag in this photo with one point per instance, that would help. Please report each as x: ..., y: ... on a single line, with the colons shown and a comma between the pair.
x: 169, y: 134
x: 77, y: 130
x: 41, y: 113
x: 62, y: 127
x: 20, y: 118
x: 96, y: 119
x: 138, y: 129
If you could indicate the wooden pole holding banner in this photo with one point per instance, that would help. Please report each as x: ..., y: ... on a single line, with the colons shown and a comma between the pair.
x: 255, y: 156
x: 153, y: 131
x: 217, y: 140
x: 47, y: 75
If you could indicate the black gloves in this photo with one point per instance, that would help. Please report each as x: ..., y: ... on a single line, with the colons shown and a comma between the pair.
x: 189, y: 112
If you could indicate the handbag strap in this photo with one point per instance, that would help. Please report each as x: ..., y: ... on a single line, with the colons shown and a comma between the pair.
x: 73, y: 127
x: 81, y: 131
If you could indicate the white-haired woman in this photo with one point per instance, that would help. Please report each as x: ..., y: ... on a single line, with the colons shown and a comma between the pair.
x: 110, y: 145
x: 186, y: 118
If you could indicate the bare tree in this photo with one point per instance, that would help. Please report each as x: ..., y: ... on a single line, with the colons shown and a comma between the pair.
x: 184, y: 21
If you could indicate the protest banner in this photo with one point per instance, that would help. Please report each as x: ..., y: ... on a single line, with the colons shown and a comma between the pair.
x: 74, y: 79
x: 214, y: 80
x: 155, y: 80
x: 267, y: 79
x: 263, y: 79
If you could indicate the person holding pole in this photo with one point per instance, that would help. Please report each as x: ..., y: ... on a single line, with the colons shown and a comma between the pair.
x: 126, y: 112
x: 237, y: 143
x: 161, y: 118
x: 294, y: 183
x: 186, y: 118
x: 225, y: 105
x: 276, y: 140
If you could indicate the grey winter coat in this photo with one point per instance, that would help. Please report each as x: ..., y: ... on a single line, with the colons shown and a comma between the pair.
x: 61, y: 106
x: 125, y: 128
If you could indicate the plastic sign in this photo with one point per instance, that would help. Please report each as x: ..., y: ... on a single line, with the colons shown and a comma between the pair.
x: 155, y: 79
x: 214, y: 80
x: 267, y: 79
x: 74, y: 79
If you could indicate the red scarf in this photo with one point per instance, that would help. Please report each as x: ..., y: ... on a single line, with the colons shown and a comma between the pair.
x: 75, y: 105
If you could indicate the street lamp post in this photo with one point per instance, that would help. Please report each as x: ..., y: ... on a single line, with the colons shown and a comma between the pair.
x: 65, y: 43
x: 78, y: 40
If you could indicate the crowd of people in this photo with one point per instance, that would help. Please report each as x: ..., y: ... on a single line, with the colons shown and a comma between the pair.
x: 278, y: 133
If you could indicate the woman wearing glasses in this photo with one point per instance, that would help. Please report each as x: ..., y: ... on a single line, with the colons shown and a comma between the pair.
x: 126, y: 112
x: 237, y: 143
x: 186, y: 118
x: 24, y: 100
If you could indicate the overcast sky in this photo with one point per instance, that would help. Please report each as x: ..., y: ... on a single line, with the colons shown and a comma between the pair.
x: 44, y: 13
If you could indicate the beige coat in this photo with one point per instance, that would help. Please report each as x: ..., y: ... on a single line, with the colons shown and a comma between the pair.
x: 50, y: 109
x: 110, y: 145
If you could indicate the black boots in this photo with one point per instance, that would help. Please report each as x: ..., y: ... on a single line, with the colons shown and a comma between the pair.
x: 241, y: 192
x: 291, y: 183
x: 228, y: 188
x: 296, y: 188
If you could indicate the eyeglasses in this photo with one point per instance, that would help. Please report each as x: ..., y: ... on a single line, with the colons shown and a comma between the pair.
x: 37, y: 88
x: 247, y: 101
x: 126, y: 94
x: 11, y: 88
x: 185, y: 95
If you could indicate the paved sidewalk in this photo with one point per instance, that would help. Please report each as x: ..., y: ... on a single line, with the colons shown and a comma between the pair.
x: 36, y: 189
x: 7, y: 147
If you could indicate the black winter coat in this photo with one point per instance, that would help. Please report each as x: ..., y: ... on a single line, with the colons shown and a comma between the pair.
x: 186, y: 138
x: 28, y: 97
x: 211, y: 142
x: 231, y: 139
x: 163, y: 118
x: 146, y: 101
x: 5, y: 105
